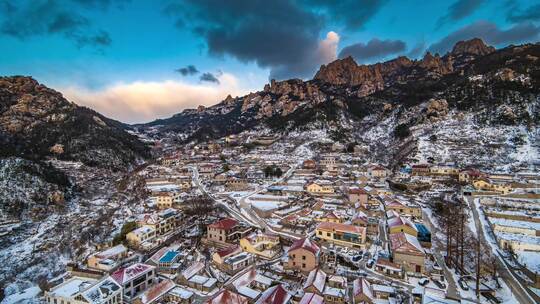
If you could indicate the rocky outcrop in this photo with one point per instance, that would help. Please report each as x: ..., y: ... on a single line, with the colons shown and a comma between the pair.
x: 474, y: 46
x: 37, y: 122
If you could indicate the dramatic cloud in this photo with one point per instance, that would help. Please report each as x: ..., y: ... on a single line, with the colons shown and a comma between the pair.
x: 459, y: 10
x: 145, y: 101
x: 528, y: 14
x: 39, y: 18
x: 325, y: 52
x: 281, y: 35
x: 209, y: 77
x: 490, y: 33
x: 188, y: 70
x: 352, y: 13
x: 374, y: 49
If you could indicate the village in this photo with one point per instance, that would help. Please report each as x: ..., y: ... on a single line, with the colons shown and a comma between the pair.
x: 260, y: 219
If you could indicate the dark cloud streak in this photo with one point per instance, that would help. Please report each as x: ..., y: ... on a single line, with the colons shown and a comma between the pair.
x: 208, y: 77
x: 188, y: 70
x: 459, y: 10
x: 374, y: 49
x: 282, y: 35
x: 490, y: 33
x: 27, y: 19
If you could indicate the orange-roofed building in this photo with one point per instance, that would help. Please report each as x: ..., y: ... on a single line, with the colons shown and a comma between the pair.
x: 342, y: 234
x: 303, y: 255
x: 227, y: 230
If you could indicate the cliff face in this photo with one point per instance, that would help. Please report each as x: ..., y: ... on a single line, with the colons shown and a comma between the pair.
x: 375, y: 77
x: 37, y: 122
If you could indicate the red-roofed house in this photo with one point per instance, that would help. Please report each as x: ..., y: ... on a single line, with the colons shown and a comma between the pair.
x: 358, y: 195
x: 362, y: 291
x: 407, y: 252
x: 226, y: 230
x: 303, y: 255
x: 311, y: 298
x: 275, y: 295
x: 155, y: 293
x: 135, y: 278
x: 228, y: 297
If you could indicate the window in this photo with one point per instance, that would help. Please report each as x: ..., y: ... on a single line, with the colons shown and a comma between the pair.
x: 303, y: 257
x: 328, y: 234
x: 303, y: 265
x: 320, y: 232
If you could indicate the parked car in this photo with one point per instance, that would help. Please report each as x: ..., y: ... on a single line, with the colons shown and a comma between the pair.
x: 439, y: 284
x: 423, y: 281
x: 356, y: 258
x: 463, y: 284
x: 370, y: 263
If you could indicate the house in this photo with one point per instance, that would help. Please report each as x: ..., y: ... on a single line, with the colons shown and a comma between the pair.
x: 320, y: 188
x: 227, y: 297
x: 236, y: 262
x: 236, y: 184
x: 164, y: 222
x: 226, y: 230
x: 489, y: 185
x: 407, y: 252
x: 377, y: 171
x: 275, y: 295
x: 332, y: 288
x: 311, y: 298
x: 342, y: 234
x: 109, y: 259
x: 331, y: 217
x: 444, y: 170
x: 166, y: 260
x: 262, y: 245
x: 303, y: 255
x: 179, y: 295
x: 164, y: 200
x: 155, y: 293
x: 220, y: 255
x: 251, y: 284
x: 358, y: 195
x: 194, y: 277
x: 402, y: 224
x: 388, y: 268
x: 135, y: 279
x: 141, y: 237
x: 85, y: 290
x: 403, y: 208
x: 421, y: 169
x: 309, y: 164
x: 469, y: 175
x: 362, y: 291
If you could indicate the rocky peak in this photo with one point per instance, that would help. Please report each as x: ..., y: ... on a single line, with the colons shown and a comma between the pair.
x: 473, y: 46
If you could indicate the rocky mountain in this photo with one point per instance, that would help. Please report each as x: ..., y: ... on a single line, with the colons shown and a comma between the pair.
x: 394, y: 103
x: 38, y: 123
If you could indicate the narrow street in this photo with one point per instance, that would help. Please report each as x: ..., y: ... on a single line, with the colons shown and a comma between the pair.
x: 515, y: 286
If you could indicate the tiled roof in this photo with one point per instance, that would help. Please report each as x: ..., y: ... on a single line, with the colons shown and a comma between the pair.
x: 362, y: 287
x: 327, y: 226
x: 228, y: 297
x: 311, y: 298
x: 405, y: 243
x: 129, y: 273
x: 275, y: 295
x: 225, y: 224
x: 306, y: 244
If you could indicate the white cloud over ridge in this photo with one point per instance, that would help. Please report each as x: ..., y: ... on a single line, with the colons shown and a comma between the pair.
x: 144, y: 101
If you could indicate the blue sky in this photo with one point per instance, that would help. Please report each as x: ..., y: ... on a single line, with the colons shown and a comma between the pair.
x: 122, y: 57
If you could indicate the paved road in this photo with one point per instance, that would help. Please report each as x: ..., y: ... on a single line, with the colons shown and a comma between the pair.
x: 517, y: 289
x: 452, y: 290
